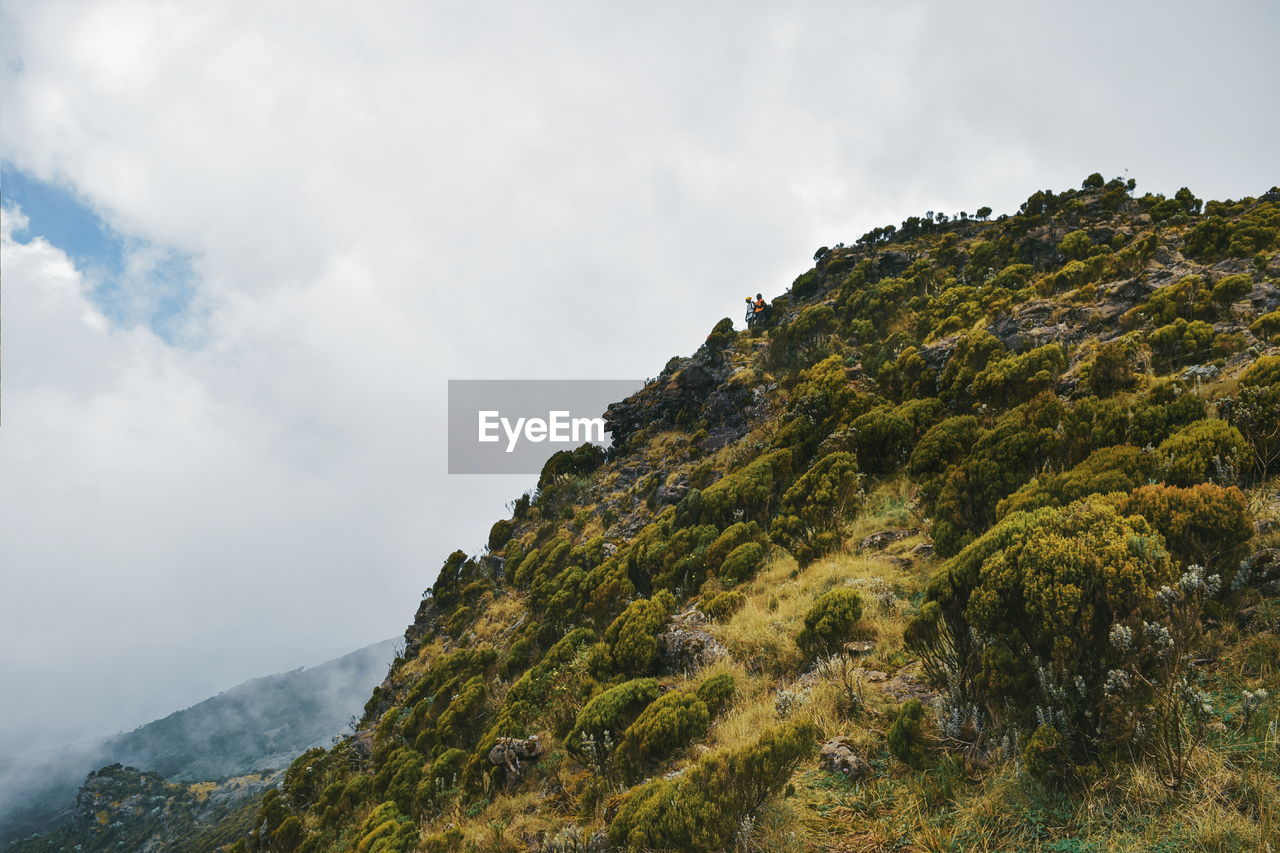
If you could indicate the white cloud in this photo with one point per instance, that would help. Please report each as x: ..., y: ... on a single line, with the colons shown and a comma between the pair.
x: 377, y: 200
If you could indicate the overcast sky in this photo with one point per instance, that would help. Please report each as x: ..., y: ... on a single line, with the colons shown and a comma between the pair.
x: 246, y: 244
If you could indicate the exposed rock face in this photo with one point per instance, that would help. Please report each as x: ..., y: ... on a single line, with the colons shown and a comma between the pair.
x: 685, y: 643
x: 687, y: 390
x: 838, y: 756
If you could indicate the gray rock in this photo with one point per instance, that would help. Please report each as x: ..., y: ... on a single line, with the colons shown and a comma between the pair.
x: 838, y: 756
x: 879, y: 540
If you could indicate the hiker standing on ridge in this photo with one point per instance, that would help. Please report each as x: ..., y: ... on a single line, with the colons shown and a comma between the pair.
x: 756, y: 309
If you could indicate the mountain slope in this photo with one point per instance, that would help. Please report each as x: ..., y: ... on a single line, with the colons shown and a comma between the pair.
x: 262, y: 723
x: 971, y: 546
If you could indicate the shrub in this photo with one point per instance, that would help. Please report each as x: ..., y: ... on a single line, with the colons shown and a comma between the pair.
x: 603, y: 720
x: 1181, y: 342
x: 750, y: 491
x: 722, y: 605
x: 666, y: 726
x: 1190, y: 299
x: 1008, y: 381
x: 702, y: 810
x: 730, y: 539
x: 717, y: 692
x: 1204, y: 525
x: 1020, y: 622
x: 630, y: 646
x: 830, y: 623
x: 1111, y: 370
x: 1111, y: 469
x: 1207, y: 450
x: 813, y: 510
x: 387, y: 830
x: 303, y: 778
x: 906, y: 737
x: 1076, y: 245
x: 945, y: 443
x: 880, y: 438
x: 1267, y: 327
x: 1255, y: 411
x: 1043, y: 754
x: 973, y: 351
x: 1264, y: 371
x: 742, y: 563
x: 1232, y: 289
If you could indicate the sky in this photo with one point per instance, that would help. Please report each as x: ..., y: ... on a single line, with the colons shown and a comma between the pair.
x: 245, y: 245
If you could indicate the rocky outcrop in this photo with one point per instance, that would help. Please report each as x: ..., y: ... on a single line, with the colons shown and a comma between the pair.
x: 512, y: 754
x: 685, y: 644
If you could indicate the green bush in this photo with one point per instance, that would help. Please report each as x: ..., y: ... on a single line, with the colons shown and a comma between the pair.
x: 1043, y: 754
x: 1255, y: 411
x: 751, y: 490
x: 1110, y: 469
x: 722, y: 605
x: 907, y: 741
x: 1021, y: 621
x: 1189, y: 299
x: 1205, y: 525
x: 830, y: 623
x: 602, y: 721
x: 1111, y: 370
x: 1232, y: 289
x: 1267, y: 327
x: 1264, y: 371
x: 1076, y: 245
x: 701, y: 811
x: 880, y: 438
x: 730, y: 539
x: 1015, y: 379
x: 630, y: 645
x: 1181, y: 342
x: 717, y: 692
x: 387, y: 830
x: 1207, y: 450
x: 669, y: 724
x: 813, y: 510
x: 742, y: 563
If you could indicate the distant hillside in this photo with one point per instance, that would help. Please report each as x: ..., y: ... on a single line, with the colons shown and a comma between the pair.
x: 122, y: 808
x: 258, y: 725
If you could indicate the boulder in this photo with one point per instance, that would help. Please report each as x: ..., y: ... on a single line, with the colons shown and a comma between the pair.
x: 510, y: 753
x: 839, y: 756
x: 685, y: 644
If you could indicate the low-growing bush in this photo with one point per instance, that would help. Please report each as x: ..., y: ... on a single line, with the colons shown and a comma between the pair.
x: 717, y: 692
x: 1208, y: 450
x: 702, y: 810
x: 630, y: 645
x: 602, y: 721
x: 813, y: 510
x: 669, y: 724
x: 907, y: 740
x: 722, y: 605
x: 830, y: 623
x: 1021, y: 622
